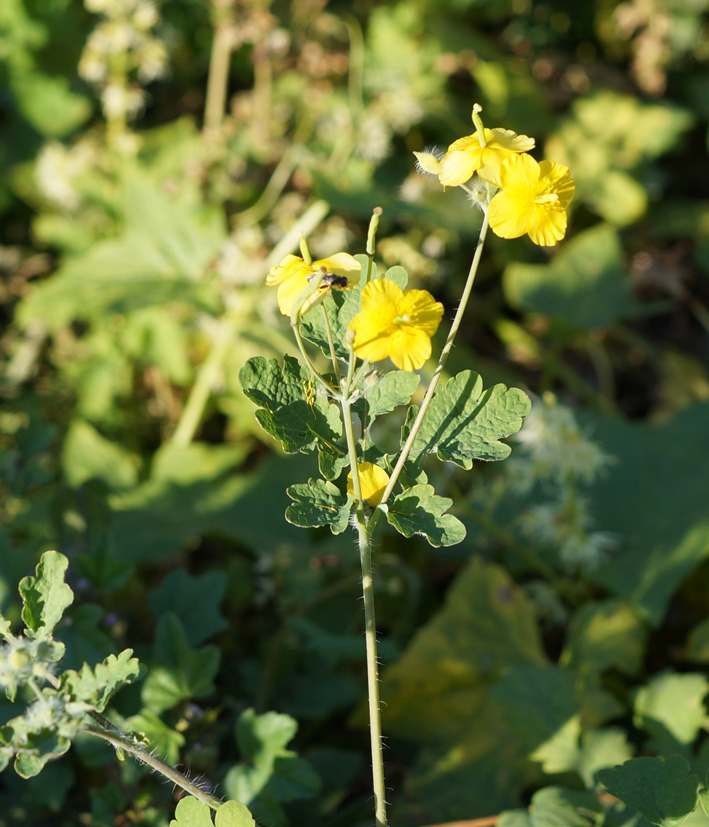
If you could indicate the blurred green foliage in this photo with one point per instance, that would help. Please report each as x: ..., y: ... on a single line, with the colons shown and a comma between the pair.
x: 568, y: 632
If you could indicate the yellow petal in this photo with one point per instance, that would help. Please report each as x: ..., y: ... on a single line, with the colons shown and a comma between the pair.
x: 547, y: 227
x: 285, y: 269
x: 341, y: 264
x: 508, y: 218
x: 372, y: 480
x: 459, y: 167
x: 290, y: 289
x: 520, y: 173
x: 410, y: 348
x: 508, y: 140
x: 557, y: 178
x: 424, y: 311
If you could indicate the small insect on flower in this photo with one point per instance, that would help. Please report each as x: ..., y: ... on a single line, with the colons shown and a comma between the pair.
x: 293, y: 276
x: 332, y: 280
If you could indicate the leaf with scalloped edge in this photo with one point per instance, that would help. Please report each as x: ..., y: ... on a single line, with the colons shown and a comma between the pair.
x: 465, y: 423
x: 663, y: 790
x: 419, y: 510
x: 96, y: 686
x: 193, y: 813
x: 290, y: 407
x: 318, y: 503
x: 46, y: 595
x: 393, y: 389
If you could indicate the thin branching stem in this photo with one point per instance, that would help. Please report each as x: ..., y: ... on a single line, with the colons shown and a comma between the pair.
x: 438, y: 372
x: 125, y: 744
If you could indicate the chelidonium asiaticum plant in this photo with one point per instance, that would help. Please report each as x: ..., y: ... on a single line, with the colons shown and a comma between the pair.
x: 359, y: 319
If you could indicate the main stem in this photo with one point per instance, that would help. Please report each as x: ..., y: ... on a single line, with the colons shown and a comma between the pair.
x: 364, y: 538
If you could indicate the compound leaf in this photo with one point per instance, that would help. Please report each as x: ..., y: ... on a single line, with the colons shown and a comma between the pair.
x: 290, y: 409
x: 464, y: 423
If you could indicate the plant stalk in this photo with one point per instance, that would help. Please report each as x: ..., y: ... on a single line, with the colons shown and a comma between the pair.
x: 122, y: 742
x: 364, y: 541
x: 438, y: 372
x: 219, y: 59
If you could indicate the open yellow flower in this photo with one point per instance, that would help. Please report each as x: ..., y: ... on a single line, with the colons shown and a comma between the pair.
x: 395, y: 323
x: 533, y: 200
x: 372, y: 480
x: 293, y: 275
x: 466, y: 157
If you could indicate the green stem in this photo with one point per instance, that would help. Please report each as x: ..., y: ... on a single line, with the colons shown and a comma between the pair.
x: 206, y: 380
x: 438, y: 372
x: 295, y: 326
x: 219, y: 59
x: 370, y: 626
x: 331, y: 343
x: 229, y: 328
x: 122, y: 742
x: 372, y: 240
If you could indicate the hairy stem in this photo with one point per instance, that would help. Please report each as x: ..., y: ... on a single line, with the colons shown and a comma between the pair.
x: 364, y: 541
x: 124, y: 743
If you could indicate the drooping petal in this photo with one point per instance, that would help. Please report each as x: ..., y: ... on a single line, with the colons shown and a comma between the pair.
x: 508, y: 140
x: 457, y: 167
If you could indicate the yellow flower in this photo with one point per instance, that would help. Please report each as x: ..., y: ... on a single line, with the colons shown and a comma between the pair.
x: 395, y: 323
x: 372, y: 480
x: 465, y: 156
x: 533, y: 200
x: 293, y: 275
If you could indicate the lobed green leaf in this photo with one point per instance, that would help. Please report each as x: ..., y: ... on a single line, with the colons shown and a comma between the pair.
x: 663, y: 790
x: 97, y: 686
x: 45, y: 596
x: 393, y: 389
x: 190, y: 812
x: 291, y: 409
x: 180, y: 671
x: 318, y: 503
x: 419, y: 510
x: 465, y: 423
